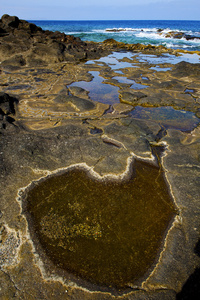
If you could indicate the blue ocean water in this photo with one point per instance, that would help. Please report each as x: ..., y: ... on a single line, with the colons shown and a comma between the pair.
x: 144, y: 32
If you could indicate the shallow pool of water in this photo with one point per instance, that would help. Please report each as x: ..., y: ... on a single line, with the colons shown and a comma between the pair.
x: 114, y: 60
x: 99, y: 91
x: 168, y: 58
x: 104, y: 92
x: 167, y: 116
x: 134, y: 85
x: 108, y: 232
x: 159, y: 69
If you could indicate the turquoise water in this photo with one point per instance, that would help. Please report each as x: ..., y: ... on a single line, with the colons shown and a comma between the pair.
x: 144, y: 32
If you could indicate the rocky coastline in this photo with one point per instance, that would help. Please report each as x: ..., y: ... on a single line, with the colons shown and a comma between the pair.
x: 49, y: 126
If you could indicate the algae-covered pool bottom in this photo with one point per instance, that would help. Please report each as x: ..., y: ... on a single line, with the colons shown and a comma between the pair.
x: 106, y: 231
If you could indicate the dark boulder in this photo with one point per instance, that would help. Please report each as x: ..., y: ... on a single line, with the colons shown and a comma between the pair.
x: 29, y: 27
x: 7, y: 104
x: 10, y: 21
x: 191, y: 37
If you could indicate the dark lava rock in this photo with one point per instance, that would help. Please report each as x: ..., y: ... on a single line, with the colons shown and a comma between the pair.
x: 191, y: 37
x: 37, y: 46
x: 11, y: 21
x: 7, y: 108
x: 191, y: 288
x: 7, y: 104
x: 180, y: 35
x: 175, y: 35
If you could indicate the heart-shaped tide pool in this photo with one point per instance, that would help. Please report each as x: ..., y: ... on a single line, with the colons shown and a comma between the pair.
x: 106, y: 231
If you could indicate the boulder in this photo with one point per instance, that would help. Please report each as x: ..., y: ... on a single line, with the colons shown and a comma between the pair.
x: 10, y: 21
x: 7, y: 104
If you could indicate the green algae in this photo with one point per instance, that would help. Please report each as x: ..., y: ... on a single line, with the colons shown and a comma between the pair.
x: 106, y: 231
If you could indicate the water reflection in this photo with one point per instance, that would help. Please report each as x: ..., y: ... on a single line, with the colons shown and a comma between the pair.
x: 168, y: 58
x: 134, y: 85
x: 114, y: 60
x: 99, y: 91
x: 159, y: 69
x: 167, y: 117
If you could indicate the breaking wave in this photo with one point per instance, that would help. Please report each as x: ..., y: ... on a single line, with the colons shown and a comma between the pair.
x: 172, y: 34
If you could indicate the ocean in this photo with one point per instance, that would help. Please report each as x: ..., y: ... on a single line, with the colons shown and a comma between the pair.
x: 144, y: 32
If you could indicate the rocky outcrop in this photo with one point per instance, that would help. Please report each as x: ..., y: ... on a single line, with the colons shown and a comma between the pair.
x: 39, y: 47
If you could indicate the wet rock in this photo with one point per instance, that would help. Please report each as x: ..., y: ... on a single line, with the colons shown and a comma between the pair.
x: 180, y: 35
x: 175, y: 35
x: 115, y: 30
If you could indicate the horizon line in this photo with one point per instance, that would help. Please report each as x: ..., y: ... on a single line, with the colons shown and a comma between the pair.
x: 114, y: 20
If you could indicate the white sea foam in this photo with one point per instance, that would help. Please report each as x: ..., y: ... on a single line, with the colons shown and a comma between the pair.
x: 194, y: 41
x: 144, y: 35
x: 72, y: 32
x: 120, y: 29
x: 99, y: 30
x: 149, y: 35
